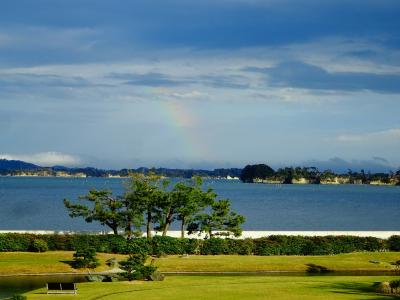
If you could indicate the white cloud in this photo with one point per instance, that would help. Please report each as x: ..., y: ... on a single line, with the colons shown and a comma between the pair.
x: 45, y: 159
x: 384, y: 135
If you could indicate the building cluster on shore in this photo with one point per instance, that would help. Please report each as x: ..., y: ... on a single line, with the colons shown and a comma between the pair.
x: 331, y: 181
x: 47, y: 174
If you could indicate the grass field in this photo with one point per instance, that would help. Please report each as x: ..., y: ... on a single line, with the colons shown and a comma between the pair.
x: 219, y: 263
x: 225, y: 287
x: 56, y: 261
x: 47, y: 262
x: 217, y: 287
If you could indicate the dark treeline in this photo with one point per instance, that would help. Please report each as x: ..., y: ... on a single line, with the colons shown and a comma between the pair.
x: 159, y: 245
x: 288, y: 175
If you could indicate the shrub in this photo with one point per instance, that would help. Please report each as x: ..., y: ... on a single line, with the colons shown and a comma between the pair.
x: 156, y: 276
x: 18, y: 297
x: 214, y: 246
x: 135, y: 268
x: 59, y: 241
x: 112, y: 262
x: 312, y: 268
x: 389, y: 288
x: 85, y: 258
x: 393, y: 243
x: 395, y: 286
x: 39, y: 245
x: 137, y: 245
x: 383, y: 288
x: 265, y: 246
x: 95, y: 278
x: 113, y: 244
x: 14, y: 242
x: 166, y: 245
x: 396, y: 264
x: 241, y: 247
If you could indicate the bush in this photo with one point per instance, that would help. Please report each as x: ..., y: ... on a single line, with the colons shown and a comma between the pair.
x: 156, y: 276
x: 312, y: 268
x: 393, y: 243
x: 85, y: 258
x: 135, y: 268
x: 383, y: 288
x: 18, y: 297
x: 215, y: 246
x: 389, y: 288
x: 137, y: 245
x: 265, y: 247
x: 112, y: 262
x: 113, y: 244
x: 95, y: 278
x: 15, y: 242
x: 166, y: 245
x: 59, y: 241
x: 241, y: 247
x: 39, y: 245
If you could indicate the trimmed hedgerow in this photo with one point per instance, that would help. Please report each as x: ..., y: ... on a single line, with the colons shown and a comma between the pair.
x: 158, y: 245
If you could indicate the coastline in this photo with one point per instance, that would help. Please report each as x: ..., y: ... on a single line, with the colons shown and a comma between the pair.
x: 267, y: 182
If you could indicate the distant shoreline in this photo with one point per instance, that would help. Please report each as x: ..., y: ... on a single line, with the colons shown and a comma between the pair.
x: 267, y: 182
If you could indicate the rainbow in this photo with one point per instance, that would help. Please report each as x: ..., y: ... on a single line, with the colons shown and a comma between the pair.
x: 184, y: 122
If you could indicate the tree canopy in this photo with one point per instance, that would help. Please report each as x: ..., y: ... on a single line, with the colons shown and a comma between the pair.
x: 151, y: 202
x: 252, y: 172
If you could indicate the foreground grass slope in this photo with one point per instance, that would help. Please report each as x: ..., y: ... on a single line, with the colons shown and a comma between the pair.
x: 56, y: 261
x: 228, y: 287
x: 47, y: 262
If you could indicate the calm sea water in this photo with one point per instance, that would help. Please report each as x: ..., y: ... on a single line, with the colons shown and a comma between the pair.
x: 36, y: 204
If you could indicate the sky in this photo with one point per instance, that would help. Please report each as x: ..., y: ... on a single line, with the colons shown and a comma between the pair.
x: 201, y: 84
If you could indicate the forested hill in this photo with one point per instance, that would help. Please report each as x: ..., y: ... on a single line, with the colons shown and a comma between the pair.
x: 15, y: 165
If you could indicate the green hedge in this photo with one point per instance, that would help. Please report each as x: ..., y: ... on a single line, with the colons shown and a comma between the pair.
x: 272, y: 245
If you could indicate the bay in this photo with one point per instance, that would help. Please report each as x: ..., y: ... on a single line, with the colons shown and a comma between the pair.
x: 35, y: 203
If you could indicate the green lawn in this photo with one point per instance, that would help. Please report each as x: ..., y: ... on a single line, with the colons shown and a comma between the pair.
x: 221, y: 263
x: 230, y: 287
x: 47, y: 262
x: 55, y: 261
x: 218, y: 287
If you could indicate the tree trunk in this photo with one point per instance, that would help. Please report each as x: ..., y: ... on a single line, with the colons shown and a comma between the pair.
x: 113, y: 226
x: 167, y: 222
x: 183, y: 228
x: 128, y: 231
x: 165, y: 229
x: 149, y: 223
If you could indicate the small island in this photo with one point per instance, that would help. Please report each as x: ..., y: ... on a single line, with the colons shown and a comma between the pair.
x: 261, y: 173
